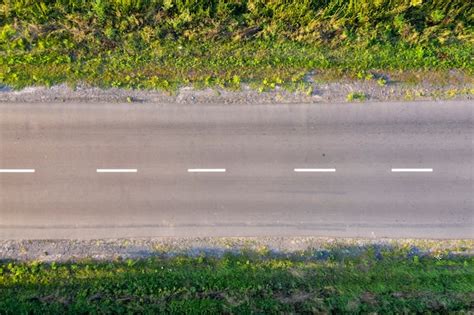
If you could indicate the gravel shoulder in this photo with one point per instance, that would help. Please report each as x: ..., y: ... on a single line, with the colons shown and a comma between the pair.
x: 118, y: 249
x: 337, y: 92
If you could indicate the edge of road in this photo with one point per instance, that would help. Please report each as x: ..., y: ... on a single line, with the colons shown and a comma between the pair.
x: 415, y: 231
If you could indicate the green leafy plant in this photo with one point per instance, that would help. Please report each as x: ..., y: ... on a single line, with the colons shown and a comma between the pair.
x: 382, y: 82
x: 356, y: 96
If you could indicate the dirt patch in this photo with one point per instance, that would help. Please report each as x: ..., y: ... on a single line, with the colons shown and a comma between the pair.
x: 294, y: 297
x: 369, y: 298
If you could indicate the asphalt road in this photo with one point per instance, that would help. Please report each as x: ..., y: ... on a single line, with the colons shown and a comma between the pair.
x: 60, y: 163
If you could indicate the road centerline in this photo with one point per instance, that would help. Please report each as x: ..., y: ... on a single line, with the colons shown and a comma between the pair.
x: 17, y: 170
x: 206, y: 170
x: 314, y: 170
x: 117, y: 170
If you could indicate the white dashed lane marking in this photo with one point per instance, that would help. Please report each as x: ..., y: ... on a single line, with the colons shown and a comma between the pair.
x: 17, y: 170
x: 206, y: 170
x: 315, y: 170
x: 117, y: 170
x: 221, y: 170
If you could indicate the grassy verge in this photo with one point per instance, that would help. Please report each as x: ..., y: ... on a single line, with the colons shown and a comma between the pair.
x: 377, y: 279
x: 163, y: 44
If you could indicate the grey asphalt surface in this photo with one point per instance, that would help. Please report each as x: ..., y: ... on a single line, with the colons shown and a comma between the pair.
x: 259, y: 194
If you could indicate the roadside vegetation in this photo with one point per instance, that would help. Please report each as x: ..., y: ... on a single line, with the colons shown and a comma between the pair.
x: 373, y: 279
x: 164, y: 44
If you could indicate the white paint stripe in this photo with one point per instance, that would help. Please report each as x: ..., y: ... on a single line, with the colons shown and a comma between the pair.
x: 17, y: 170
x: 321, y: 170
x: 206, y: 170
x: 117, y: 170
x: 412, y: 170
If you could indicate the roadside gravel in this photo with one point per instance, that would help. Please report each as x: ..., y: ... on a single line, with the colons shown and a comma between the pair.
x: 317, y: 247
x: 367, y: 90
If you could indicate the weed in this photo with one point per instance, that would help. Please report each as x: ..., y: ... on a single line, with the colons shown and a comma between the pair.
x: 356, y: 96
x: 382, y: 82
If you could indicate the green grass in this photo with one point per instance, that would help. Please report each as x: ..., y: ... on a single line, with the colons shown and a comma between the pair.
x: 164, y: 44
x: 377, y: 279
